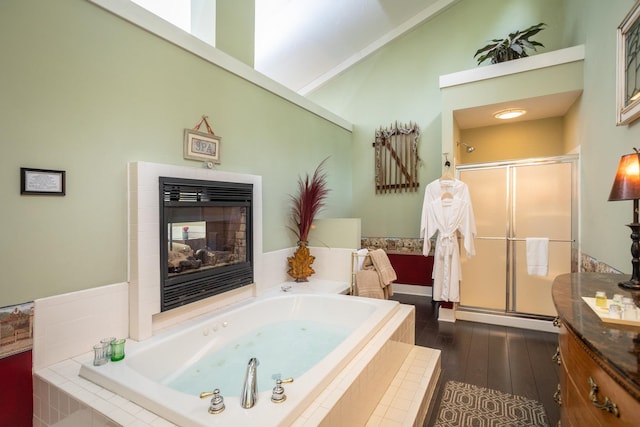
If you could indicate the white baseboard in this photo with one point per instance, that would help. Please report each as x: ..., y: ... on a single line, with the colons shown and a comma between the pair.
x: 412, y: 290
x: 451, y: 315
x: 514, y: 322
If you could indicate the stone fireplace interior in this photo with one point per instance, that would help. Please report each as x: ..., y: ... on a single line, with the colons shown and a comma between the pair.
x: 205, y: 239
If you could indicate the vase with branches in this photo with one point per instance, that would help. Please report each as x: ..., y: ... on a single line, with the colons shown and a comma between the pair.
x: 305, y: 205
x: 513, y: 46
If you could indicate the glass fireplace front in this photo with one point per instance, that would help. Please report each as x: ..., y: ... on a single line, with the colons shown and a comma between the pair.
x: 206, y: 245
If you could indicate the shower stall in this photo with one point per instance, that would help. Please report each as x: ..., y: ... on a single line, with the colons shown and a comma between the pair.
x: 514, y: 201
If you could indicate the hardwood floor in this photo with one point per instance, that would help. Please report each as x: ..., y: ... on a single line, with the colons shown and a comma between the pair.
x: 511, y: 360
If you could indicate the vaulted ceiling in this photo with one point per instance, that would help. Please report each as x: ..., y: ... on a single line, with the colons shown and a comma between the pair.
x: 302, y: 43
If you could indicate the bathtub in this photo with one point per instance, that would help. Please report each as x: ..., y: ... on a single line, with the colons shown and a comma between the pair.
x: 153, y: 372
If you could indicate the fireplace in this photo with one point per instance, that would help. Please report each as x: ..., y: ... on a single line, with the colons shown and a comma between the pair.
x: 206, y: 245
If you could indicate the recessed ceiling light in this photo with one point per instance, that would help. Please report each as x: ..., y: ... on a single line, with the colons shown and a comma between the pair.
x: 511, y: 113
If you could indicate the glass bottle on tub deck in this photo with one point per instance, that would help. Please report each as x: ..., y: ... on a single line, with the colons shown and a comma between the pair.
x: 601, y: 299
x: 117, y: 350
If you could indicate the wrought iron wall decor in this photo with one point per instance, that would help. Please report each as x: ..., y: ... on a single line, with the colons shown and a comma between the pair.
x: 396, y: 158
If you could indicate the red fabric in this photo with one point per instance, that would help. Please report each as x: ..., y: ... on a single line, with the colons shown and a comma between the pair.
x: 412, y: 269
x: 16, y: 404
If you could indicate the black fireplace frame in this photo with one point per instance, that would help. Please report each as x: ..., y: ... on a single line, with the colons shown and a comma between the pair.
x: 184, y: 289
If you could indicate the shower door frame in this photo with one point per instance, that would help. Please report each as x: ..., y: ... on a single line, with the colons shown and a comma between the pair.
x: 510, y: 280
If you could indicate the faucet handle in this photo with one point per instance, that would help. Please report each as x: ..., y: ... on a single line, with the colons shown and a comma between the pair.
x: 217, y: 403
x: 277, y: 395
x: 206, y: 394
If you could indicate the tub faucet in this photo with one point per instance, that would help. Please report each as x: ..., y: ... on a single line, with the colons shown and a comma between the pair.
x: 250, y: 388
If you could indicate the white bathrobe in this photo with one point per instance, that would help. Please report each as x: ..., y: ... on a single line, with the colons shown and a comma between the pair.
x: 436, y: 188
x: 447, y: 217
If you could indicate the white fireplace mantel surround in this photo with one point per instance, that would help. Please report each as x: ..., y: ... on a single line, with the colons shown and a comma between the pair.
x: 144, y: 235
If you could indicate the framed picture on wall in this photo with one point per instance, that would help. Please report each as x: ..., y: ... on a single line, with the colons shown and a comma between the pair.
x: 42, y: 182
x: 628, y: 68
x: 201, y: 146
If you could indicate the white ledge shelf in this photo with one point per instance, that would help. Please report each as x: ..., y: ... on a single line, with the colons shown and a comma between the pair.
x: 543, y: 60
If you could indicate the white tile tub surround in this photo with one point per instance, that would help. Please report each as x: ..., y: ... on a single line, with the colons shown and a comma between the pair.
x: 397, y: 377
x: 69, y: 324
x: 66, y: 328
x: 354, y: 394
x: 406, y: 401
x: 331, y: 264
x: 142, y: 376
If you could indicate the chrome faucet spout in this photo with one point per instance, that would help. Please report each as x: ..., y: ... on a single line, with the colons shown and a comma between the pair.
x: 250, y: 388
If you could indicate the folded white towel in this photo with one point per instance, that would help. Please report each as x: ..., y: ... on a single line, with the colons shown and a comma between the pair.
x: 360, y: 255
x: 537, y: 256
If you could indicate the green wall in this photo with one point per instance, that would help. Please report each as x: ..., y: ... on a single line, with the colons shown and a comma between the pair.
x: 235, y: 28
x: 604, y: 234
x: 400, y: 82
x: 87, y: 92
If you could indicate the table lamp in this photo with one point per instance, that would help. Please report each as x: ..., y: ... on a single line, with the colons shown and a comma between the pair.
x: 626, y: 186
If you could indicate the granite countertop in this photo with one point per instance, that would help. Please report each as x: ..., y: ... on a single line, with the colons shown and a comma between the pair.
x: 614, y: 343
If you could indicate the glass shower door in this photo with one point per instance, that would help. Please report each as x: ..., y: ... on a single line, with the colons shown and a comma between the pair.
x: 542, y: 208
x: 484, y: 276
x: 512, y: 202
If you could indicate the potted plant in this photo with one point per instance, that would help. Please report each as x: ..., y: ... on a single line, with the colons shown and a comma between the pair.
x: 312, y: 192
x: 514, y: 46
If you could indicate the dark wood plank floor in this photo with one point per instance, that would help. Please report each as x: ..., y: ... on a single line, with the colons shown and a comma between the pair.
x: 511, y: 360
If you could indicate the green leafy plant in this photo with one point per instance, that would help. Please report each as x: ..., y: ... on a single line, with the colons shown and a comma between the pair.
x: 312, y: 192
x: 514, y: 46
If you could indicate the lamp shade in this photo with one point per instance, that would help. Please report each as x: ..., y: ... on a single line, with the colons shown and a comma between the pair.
x: 626, y: 186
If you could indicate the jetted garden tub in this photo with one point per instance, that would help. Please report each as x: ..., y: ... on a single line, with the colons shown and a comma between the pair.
x: 307, y: 337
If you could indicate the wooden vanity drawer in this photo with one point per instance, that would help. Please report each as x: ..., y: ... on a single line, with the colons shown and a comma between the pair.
x: 578, y: 366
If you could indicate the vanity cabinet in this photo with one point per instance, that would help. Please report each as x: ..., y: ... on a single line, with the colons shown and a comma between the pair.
x: 599, y: 379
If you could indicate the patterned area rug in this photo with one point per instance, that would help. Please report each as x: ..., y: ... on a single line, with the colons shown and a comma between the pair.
x: 466, y: 405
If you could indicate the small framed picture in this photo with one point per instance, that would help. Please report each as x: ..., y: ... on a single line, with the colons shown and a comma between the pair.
x: 201, y: 146
x: 628, y: 68
x: 42, y: 182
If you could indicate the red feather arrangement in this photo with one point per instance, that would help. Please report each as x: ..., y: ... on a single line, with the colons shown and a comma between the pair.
x: 312, y: 192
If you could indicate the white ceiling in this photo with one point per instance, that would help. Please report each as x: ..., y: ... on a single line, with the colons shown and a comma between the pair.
x: 541, y: 107
x: 302, y: 43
